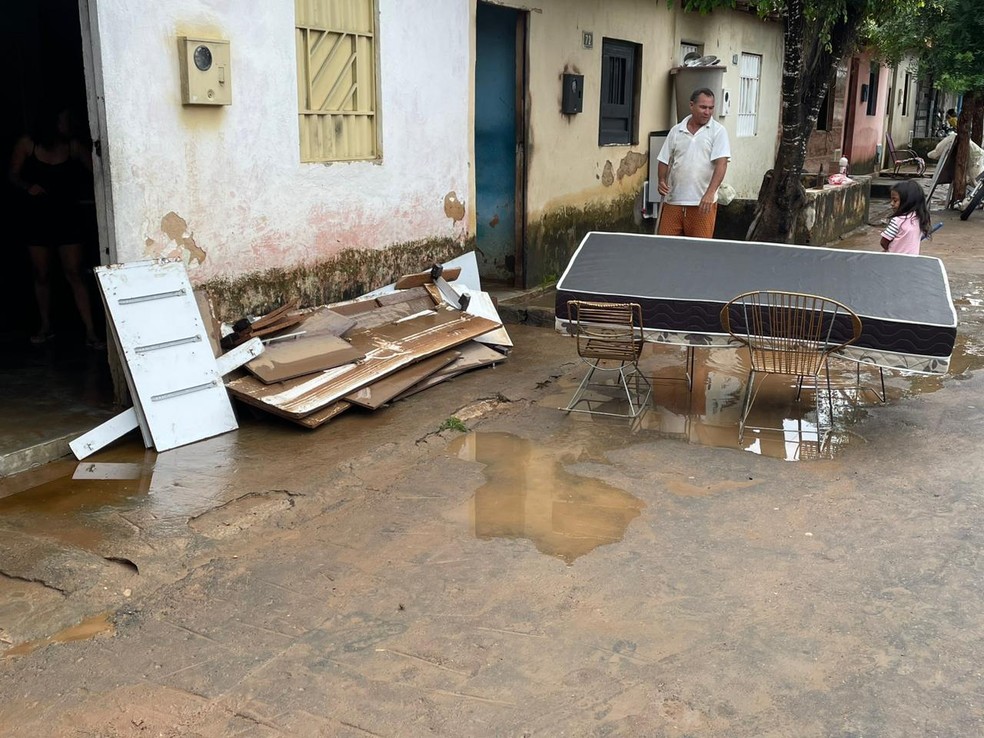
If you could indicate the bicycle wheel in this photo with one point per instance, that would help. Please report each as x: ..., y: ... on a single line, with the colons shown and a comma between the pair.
x: 975, y: 201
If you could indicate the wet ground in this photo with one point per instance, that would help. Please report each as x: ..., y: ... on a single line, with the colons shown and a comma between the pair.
x: 536, y: 574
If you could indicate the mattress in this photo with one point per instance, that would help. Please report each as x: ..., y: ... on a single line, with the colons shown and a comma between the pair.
x: 907, y: 315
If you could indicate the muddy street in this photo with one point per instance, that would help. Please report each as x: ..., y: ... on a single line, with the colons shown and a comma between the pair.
x: 521, y: 571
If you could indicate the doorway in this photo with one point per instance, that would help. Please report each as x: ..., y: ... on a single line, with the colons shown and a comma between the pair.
x: 500, y: 142
x: 60, y: 386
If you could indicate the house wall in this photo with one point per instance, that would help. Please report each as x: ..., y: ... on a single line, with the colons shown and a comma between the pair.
x: 901, y: 126
x: 224, y: 188
x: 824, y: 147
x: 868, y: 131
x: 576, y: 185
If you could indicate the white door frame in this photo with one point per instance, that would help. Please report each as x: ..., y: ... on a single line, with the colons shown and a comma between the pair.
x: 96, y: 109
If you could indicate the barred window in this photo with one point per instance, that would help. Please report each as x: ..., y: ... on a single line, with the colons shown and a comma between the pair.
x: 337, y: 89
x: 750, y: 74
x: 619, y: 123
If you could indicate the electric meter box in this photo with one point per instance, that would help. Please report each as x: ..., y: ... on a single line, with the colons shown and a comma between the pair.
x: 205, y: 71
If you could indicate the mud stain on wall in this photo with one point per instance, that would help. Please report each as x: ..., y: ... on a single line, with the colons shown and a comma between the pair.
x: 553, y: 237
x: 350, y: 273
x: 631, y: 163
x: 608, y: 175
x: 176, y: 228
x: 453, y: 207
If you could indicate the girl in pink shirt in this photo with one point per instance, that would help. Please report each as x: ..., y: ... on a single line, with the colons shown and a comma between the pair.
x: 911, y: 220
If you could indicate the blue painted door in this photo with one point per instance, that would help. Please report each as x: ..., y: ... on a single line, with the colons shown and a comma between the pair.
x: 498, y: 149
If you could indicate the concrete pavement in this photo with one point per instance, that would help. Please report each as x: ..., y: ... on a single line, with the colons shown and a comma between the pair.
x: 539, y: 575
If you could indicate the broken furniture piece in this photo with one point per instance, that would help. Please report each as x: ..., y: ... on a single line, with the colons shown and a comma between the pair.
x: 174, y: 378
x: 286, y: 316
x: 405, y: 338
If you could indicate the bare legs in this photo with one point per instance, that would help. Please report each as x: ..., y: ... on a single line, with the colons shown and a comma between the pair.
x: 41, y: 267
x: 70, y: 256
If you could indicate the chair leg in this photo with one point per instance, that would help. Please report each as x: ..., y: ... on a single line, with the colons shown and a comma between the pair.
x: 637, y: 377
x: 690, y: 368
x: 748, y: 397
x: 637, y: 395
x: 882, y: 396
x: 576, y: 397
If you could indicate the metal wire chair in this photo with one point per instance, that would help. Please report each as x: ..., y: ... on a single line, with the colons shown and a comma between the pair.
x: 609, y: 339
x: 788, y: 333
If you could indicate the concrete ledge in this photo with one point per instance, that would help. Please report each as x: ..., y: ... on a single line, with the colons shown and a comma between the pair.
x: 834, y: 211
x: 23, y: 459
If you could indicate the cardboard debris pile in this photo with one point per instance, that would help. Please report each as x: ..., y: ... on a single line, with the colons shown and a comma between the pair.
x: 384, y: 346
x: 304, y: 365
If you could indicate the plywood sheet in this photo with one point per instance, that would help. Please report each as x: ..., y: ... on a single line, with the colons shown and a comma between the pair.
x: 387, y: 348
x: 322, y: 416
x: 377, y: 394
x: 296, y: 357
x: 472, y: 356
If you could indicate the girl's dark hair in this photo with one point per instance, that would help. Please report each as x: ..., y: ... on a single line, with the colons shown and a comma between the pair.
x: 913, y: 200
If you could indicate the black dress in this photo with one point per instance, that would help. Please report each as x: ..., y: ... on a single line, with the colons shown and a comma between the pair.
x: 55, y: 218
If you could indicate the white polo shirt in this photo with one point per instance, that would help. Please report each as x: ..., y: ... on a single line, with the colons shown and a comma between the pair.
x: 690, y: 157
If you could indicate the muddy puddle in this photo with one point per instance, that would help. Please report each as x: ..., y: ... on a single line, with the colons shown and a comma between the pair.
x: 119, y: 494
x: 97, y: 625
x: 529, y: 494
x: 778, y: 426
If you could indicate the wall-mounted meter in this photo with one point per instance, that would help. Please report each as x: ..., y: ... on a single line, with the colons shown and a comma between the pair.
x: 724, y: 104
x: 205, y: 76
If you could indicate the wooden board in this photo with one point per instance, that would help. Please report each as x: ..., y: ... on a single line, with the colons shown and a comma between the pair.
x: 387, y: 348
x: 322, y: 416
x: 422, y: 278
x: 473, y: 356
x: 295, y: 357
x: 375, y: 395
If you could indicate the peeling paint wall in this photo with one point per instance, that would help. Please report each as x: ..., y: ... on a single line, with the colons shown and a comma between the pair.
x: 224, y: 188
x: 831, y: 213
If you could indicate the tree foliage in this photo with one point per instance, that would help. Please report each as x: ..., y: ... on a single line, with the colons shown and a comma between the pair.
x: 946, y: 35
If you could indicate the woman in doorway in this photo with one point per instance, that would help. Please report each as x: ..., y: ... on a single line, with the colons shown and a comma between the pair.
x: 54, y: 169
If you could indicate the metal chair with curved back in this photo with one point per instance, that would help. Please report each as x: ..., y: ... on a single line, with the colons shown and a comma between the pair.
x: 904, y: 157
x: 609, y: 339
x: 788, y: 333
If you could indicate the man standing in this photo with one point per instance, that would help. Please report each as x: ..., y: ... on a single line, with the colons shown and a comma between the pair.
x: 691, y: 167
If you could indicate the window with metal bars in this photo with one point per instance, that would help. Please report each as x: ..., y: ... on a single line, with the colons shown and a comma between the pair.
x: 337, y: 89
x: 619, y: 120
x: 750, y: 74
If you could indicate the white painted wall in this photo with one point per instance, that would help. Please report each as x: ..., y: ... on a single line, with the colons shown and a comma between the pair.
x: 233, y: 174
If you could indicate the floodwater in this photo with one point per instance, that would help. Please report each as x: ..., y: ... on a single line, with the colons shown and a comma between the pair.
x: 777, y: 426
x: 89, y: 628
x: 529, y: 494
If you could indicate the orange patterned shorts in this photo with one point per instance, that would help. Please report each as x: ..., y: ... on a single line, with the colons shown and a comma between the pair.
x: 686, y: 220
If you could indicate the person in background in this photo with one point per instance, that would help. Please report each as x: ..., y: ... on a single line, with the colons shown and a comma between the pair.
x: 910, y: 223
x: 691, y: 166
x: 52, y: 168
x: 951, y: 118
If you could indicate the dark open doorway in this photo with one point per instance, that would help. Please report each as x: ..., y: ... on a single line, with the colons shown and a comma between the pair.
x: 58, y: 386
